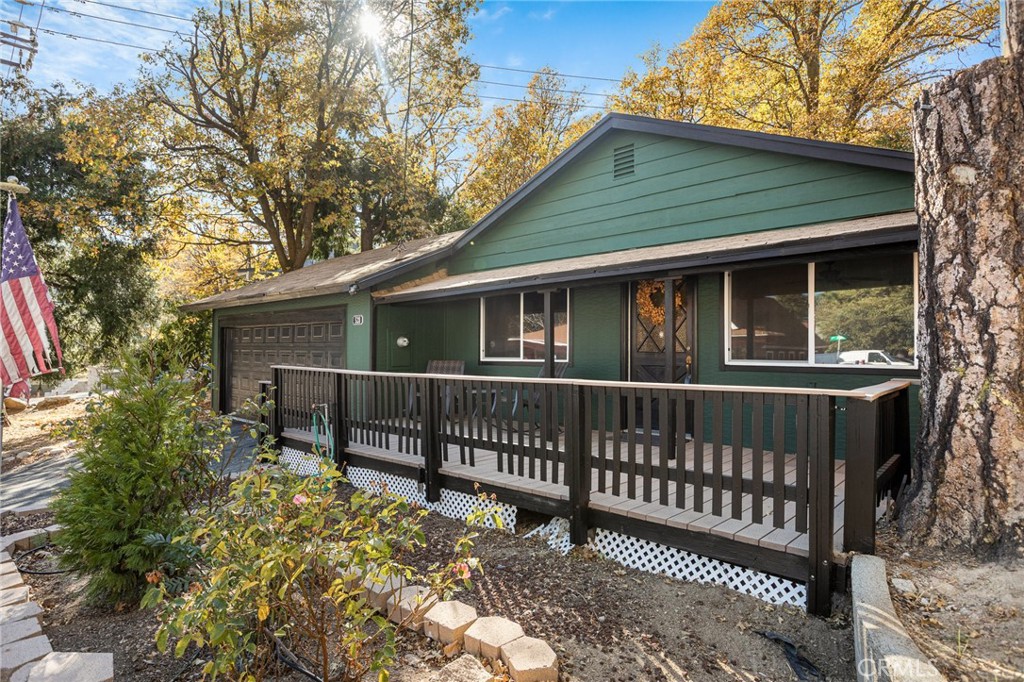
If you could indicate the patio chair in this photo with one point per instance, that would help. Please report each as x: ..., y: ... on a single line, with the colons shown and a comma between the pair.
x: 439, y: 367
x: 531, y: 397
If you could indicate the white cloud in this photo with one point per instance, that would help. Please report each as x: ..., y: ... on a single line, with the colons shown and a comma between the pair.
x: 513, y: 60
x: 547, y: 15
x: 486, y: 16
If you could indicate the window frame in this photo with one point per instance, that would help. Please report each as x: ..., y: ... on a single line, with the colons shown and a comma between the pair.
x: 810, y: 362
x: 484, y: 358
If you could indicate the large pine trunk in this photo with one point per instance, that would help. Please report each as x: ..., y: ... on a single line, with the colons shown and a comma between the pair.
x: 968, y: 488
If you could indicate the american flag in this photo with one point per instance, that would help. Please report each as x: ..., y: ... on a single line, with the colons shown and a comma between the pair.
x: 26, y: 311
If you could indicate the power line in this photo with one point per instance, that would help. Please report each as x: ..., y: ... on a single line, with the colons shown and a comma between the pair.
x: 136, y: 9
x: 110, y: 19
x: 96, y: 40
x: 545, y: 89
x: 551, y: 72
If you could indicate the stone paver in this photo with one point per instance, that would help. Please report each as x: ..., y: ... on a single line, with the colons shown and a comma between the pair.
x: 487, y: 635
x: 26, y: 539
x: 409, y: 604
x: 16, y: 654
x: 14, y: 595
x: 465, y: 668
x: 530, y: 660
x: 8, y: 580
x: 448, y: 621
x: 73, y: 667
x: 5, y: 557
x: 20, y: 611
x: 379, y: 589
x: 20, y: 629
x: 8, y: 567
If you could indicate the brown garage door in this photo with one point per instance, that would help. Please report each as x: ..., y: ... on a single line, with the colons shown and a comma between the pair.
x: 307, y: 339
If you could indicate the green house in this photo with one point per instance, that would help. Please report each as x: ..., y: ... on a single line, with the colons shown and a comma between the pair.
x: 790, y: 262
x: 686, y: 335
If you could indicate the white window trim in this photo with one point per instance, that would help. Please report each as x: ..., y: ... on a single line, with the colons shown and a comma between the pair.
x: 483, y: 343
x: 810, y: 362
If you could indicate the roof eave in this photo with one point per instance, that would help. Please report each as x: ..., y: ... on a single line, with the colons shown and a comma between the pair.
x: 692, y: 264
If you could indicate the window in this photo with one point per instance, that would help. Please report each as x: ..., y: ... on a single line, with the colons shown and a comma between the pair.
x: 512, y: 326
x: 855, y: 312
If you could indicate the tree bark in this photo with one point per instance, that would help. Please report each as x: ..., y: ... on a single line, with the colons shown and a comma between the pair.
x: 968, y: 487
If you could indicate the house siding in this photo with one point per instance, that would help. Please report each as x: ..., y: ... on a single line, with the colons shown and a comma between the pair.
x: 681, y: 190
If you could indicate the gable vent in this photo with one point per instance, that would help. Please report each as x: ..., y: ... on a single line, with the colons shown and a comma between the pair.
x: 622, y: 161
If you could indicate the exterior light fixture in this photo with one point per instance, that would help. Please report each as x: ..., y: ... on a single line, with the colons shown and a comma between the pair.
x: 402, y: 341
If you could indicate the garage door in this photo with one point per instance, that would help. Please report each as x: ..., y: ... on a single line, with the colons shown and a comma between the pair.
x: 309, y: 339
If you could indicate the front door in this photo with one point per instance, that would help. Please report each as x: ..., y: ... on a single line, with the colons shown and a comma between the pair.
x: 647, y: 335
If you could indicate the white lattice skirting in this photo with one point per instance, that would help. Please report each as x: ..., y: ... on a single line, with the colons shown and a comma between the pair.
x: 299, y: 462
x: 652, y: 557
x: 453, y: 504
x: 629, y: 551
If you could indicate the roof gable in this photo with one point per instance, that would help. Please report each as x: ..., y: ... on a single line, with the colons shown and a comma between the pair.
x: 688, y: 182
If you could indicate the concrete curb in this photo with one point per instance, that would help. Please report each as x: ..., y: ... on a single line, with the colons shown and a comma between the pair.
x: 884, y: 650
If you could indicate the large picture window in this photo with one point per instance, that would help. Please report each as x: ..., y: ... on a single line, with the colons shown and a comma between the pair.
x: 854, y: 313
x: 512, y: 326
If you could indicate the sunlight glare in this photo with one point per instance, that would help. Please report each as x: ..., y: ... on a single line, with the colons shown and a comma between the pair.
x: 370, y: 25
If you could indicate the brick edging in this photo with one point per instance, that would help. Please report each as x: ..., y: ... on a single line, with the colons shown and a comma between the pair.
x: 27, y: 653
x: 452, y: 622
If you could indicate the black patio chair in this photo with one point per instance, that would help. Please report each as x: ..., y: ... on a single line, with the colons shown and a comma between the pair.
x: 531, y: 397
x: 455, y: 367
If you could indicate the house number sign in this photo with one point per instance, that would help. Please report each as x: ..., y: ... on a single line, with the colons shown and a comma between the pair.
x: 357, y: 320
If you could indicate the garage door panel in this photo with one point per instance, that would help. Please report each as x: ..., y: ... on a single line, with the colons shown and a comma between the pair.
x: 250, y: 350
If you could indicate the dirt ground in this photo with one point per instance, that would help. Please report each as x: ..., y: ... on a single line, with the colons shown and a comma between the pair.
x: 32, y: 429
x: 607, y: 623
x: 965, y: 615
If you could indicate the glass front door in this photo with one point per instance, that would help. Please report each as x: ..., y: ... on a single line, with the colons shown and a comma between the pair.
x: 647, y: 336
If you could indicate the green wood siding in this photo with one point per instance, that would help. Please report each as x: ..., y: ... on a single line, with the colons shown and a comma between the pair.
x: 451, y: 331
x: 682, y: 190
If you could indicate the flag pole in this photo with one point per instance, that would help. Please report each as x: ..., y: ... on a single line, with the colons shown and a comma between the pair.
x: 12, y: 187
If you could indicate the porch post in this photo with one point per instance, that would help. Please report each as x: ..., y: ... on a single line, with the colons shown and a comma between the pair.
x: 861, y: 467
x: 670, y: 331
x: 549, y: 336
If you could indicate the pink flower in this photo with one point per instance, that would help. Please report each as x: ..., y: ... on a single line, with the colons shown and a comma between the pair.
x: 461, y: 570
x: 300, y: 499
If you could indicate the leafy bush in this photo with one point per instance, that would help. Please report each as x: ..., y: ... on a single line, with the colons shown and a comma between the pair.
x: 148, y: 451
x: 280, y: 575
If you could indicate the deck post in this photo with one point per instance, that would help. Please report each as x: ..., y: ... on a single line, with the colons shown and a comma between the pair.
x: 901, y: 438
x: 340, y: 435
x: 276, y: 416
x: 821, y: 427
x: 430, y: 394
x: 578, y: 465
x: 861, y: 466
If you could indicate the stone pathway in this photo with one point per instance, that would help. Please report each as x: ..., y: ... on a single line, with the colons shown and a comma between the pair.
x: 33, y: 486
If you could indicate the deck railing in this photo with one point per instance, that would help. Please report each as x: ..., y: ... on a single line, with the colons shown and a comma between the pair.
x: 755, y: 455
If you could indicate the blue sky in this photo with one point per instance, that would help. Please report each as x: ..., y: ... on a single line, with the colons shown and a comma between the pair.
x: 598, y: 39
x: 580, y: 38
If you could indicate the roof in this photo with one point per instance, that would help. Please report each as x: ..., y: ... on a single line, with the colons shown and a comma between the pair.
x: 860, y: 155
x: 333, y: 276
x: 893, y: 228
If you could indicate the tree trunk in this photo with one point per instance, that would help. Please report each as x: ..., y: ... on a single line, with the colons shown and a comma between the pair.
x: 968, y: 488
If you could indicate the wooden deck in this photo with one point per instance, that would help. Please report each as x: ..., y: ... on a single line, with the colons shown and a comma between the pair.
x: 757, y: 484
x: 626, y: 498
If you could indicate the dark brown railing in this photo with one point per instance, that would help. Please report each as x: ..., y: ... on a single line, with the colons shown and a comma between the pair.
x: 757, y: 455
